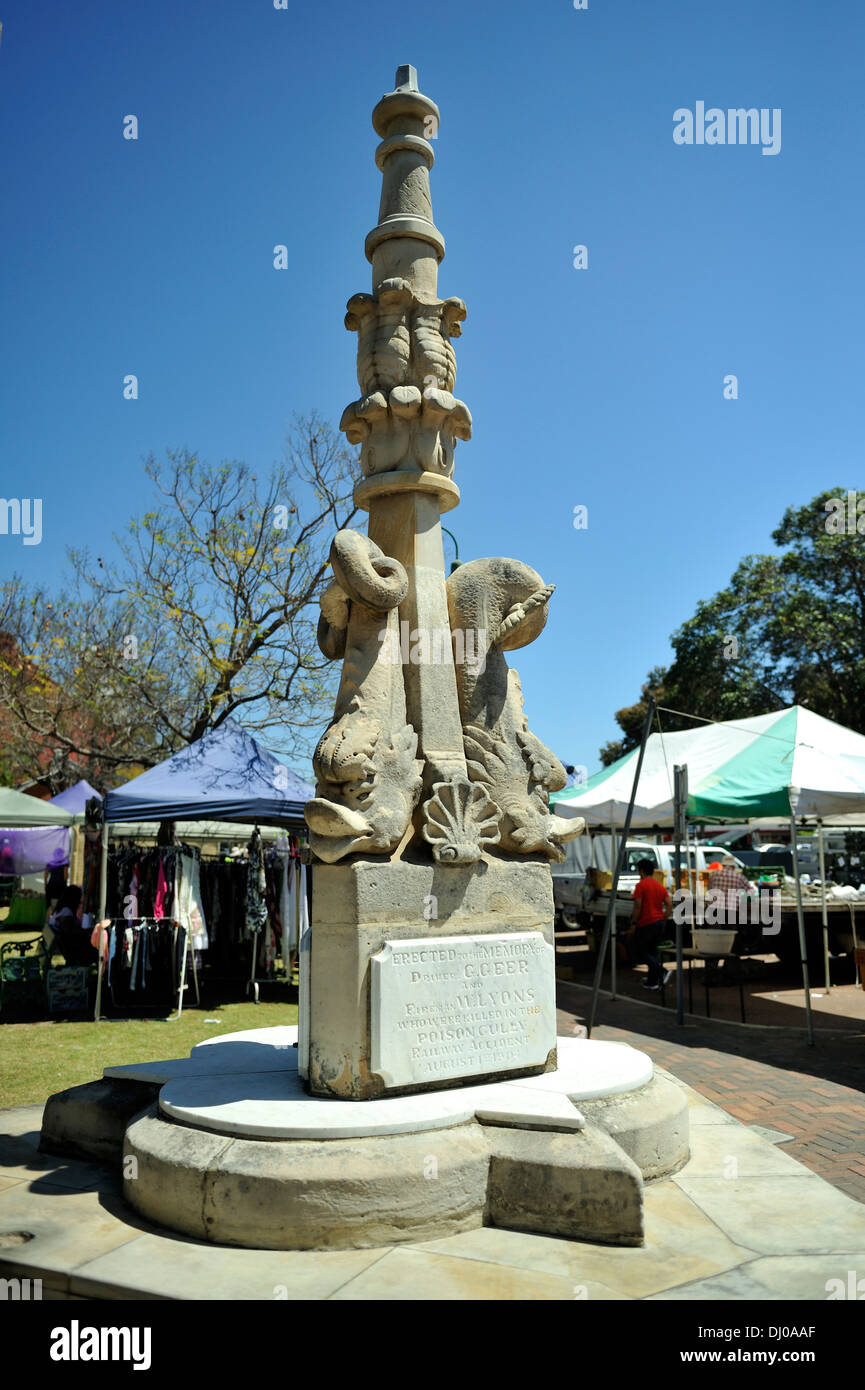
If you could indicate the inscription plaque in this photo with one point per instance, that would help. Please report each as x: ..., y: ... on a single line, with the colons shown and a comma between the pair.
x: 455, y: 1006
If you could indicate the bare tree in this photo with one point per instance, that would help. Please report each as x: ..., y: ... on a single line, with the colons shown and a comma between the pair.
x: 210, y: 612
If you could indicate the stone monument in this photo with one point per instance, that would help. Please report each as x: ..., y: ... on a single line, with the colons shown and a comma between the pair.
x: 426, y: 1046
x: 430, y: 957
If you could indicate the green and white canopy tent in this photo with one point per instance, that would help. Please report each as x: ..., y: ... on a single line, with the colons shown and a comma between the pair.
x: 789, y: 762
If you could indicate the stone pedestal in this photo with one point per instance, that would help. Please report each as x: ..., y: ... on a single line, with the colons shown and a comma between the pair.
x: 235, y: 1151
x: 493, y: 971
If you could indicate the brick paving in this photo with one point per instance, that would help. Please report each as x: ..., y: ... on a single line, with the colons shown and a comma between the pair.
x: 759, y: 1076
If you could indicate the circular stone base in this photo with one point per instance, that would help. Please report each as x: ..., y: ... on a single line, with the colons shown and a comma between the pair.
x: 236, y: 1153
x: 291, y: 1195
x: 650, y: 1125
x: 273, y: 1104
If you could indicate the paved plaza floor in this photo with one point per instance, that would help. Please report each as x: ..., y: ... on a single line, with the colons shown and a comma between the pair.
x: 743, y: 1219
x: 758, y: 1075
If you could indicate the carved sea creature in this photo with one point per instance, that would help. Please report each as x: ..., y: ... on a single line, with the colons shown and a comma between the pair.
x: 368, y: 783
x: 433, y: 325
x: 384, y: 341
x: 499, y: 605
x: 368, y: 779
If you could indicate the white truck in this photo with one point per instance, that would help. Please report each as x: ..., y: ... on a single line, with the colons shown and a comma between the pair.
x: 581, y: 906
x: 579, y: 903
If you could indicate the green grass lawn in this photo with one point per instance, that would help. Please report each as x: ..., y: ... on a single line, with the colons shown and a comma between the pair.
x: 37, y: 1059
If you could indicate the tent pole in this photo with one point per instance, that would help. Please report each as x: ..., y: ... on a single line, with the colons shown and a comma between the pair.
x: 620, y: 860
x: 800, y: 914
x: 614, y: 944
x: 823, y: 897
x: 103, y: 899
x: 680, y: 819
x: 677, y: 879
x: 690, y: 857
x: 182, y: 985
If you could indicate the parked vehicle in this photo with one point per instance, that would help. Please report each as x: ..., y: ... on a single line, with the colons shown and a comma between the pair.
x: 581, y: 896
x: 579, y: 893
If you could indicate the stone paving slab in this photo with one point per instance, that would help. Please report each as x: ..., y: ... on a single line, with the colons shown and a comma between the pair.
x: 734, y: 1152
x: 779, y: 1214
x: 159, y: 1265
x: 419, y: 1275
x: 800, y: 1278
x: 21, y: 1161
x: 69, y: 1228
x: 681, y: 1244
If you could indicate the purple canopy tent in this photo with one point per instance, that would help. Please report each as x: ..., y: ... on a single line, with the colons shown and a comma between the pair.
x: 74, y: 799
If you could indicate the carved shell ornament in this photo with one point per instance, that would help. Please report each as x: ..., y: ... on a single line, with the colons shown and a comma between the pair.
x: 460, y: 819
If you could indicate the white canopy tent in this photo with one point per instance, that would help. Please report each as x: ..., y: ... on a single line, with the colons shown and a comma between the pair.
x: 791, y: 763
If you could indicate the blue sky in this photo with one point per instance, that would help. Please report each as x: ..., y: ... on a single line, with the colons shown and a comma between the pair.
x: 601, y: 387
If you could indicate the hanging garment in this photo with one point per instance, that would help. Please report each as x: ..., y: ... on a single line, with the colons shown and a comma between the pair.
x: 269, y: 947
x: 187, y: 893
x: 288, y: 911
x: 214, y: 913
x: 91, y: 873
x: 136, y: 951
x: 256, y: 908
x: 130, y: 907
x: 142, y: 958
x: 159, y: 906
x: 100, y: 939
x: 179, y: 953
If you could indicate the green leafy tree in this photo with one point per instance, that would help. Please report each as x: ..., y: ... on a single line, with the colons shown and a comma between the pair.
x: 789, y: 628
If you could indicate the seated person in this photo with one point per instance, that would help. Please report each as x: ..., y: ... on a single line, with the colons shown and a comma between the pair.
x: 652, y: 906
x: 64, y: 932
x: 55, y: 879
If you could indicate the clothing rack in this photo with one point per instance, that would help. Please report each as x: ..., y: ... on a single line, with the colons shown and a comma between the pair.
x: 284, y: 895
x: 240, y: 926
x: 146, y: 939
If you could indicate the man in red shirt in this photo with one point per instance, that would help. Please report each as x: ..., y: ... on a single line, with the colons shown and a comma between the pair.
x: 652, y: 905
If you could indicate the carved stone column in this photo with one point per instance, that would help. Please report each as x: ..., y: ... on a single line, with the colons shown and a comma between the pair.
x: 428, y: 767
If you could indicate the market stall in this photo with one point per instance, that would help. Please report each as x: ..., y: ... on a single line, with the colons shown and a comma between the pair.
x: 34, y: 833
x: 791, y: 763
x: 226, y: 776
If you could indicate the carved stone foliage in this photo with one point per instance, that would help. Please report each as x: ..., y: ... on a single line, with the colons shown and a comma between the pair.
x: 407, y: 416
x: 504, y: 602
x: 368, y: 778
